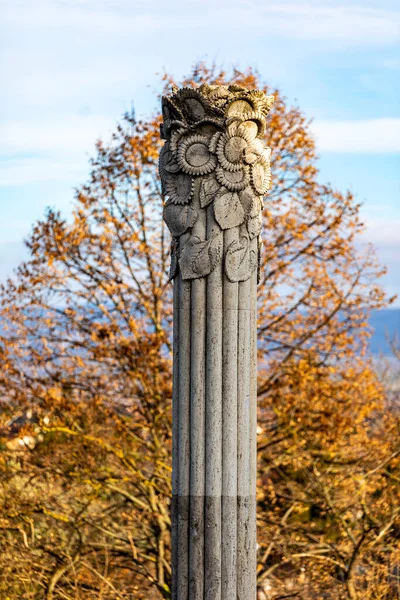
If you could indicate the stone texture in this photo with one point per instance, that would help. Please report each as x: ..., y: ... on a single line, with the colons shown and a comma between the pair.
x: 214, y: 169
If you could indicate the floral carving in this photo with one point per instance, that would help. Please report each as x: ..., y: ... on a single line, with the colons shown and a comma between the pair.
x: 238, y: 107
x: 260, y: 175
x: 233, y: 180
x: 194, y: 156
x: 214, y: 141
x: 215, y: 138
x: 176, y: 137
x: 170, y: 111
x: 179, y: 188
x: 231, y: 148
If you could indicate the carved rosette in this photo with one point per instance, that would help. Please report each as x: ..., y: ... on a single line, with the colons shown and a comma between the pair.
x: 214, y: 154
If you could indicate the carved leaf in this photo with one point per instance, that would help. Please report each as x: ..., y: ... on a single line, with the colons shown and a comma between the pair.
x: 259, y: 261
x: 254, y: 225
x: 174, y: 266
x: 261, y: 177
x: 199, y: 258
x: 163, y: 179
x: 208, y: 190
x: 246, y: 198
x: 255, y: 207
x: 170, y: 162
x: 179, y: 218
x: 169, y: 110
x: 240, y: 260
x: 228, y: 209
x: 254, y: 220
x: 194, y: 109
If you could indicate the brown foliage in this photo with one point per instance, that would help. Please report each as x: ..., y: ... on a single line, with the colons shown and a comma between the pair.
x: 87, y: 346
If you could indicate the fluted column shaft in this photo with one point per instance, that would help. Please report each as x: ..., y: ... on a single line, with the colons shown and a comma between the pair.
x: 214, y: 169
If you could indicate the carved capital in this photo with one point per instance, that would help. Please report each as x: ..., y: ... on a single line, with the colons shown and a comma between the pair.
x: 214, y: 156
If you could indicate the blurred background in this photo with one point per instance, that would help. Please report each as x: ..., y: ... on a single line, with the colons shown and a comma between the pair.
x: 70, y: 68
x: 85, y: 327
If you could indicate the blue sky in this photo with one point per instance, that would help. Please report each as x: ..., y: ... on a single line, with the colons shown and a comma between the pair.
x: 70, y: 68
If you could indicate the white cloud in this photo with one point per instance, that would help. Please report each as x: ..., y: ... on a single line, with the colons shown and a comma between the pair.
x: 318, y: 20
x: 369, y: 135
x: 100, y: 17
x: 94, y: 52
x: 76, y: 83
x: 390, y: 63
x: 339, y: 21
x: 384, y: 232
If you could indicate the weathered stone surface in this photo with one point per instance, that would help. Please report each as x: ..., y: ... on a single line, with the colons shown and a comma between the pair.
x: 234, y: 181
x: 199, y: 257
x: 179, y: 187
x: 208, y: 190
x: 228, y: 209
x: 179, y: 219
x: 241, y: 260
x: 214, y: 170
x: 215, y: 134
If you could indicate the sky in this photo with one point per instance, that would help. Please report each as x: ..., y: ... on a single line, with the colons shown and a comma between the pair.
x: 70, y: 68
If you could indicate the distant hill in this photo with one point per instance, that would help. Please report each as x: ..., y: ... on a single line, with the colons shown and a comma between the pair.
x: 386, y: 325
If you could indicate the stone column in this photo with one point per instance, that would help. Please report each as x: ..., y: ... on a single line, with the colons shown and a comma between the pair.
x: 214, y: 169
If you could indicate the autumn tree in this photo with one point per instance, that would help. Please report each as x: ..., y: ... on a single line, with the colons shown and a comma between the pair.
x: 87, y: 346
